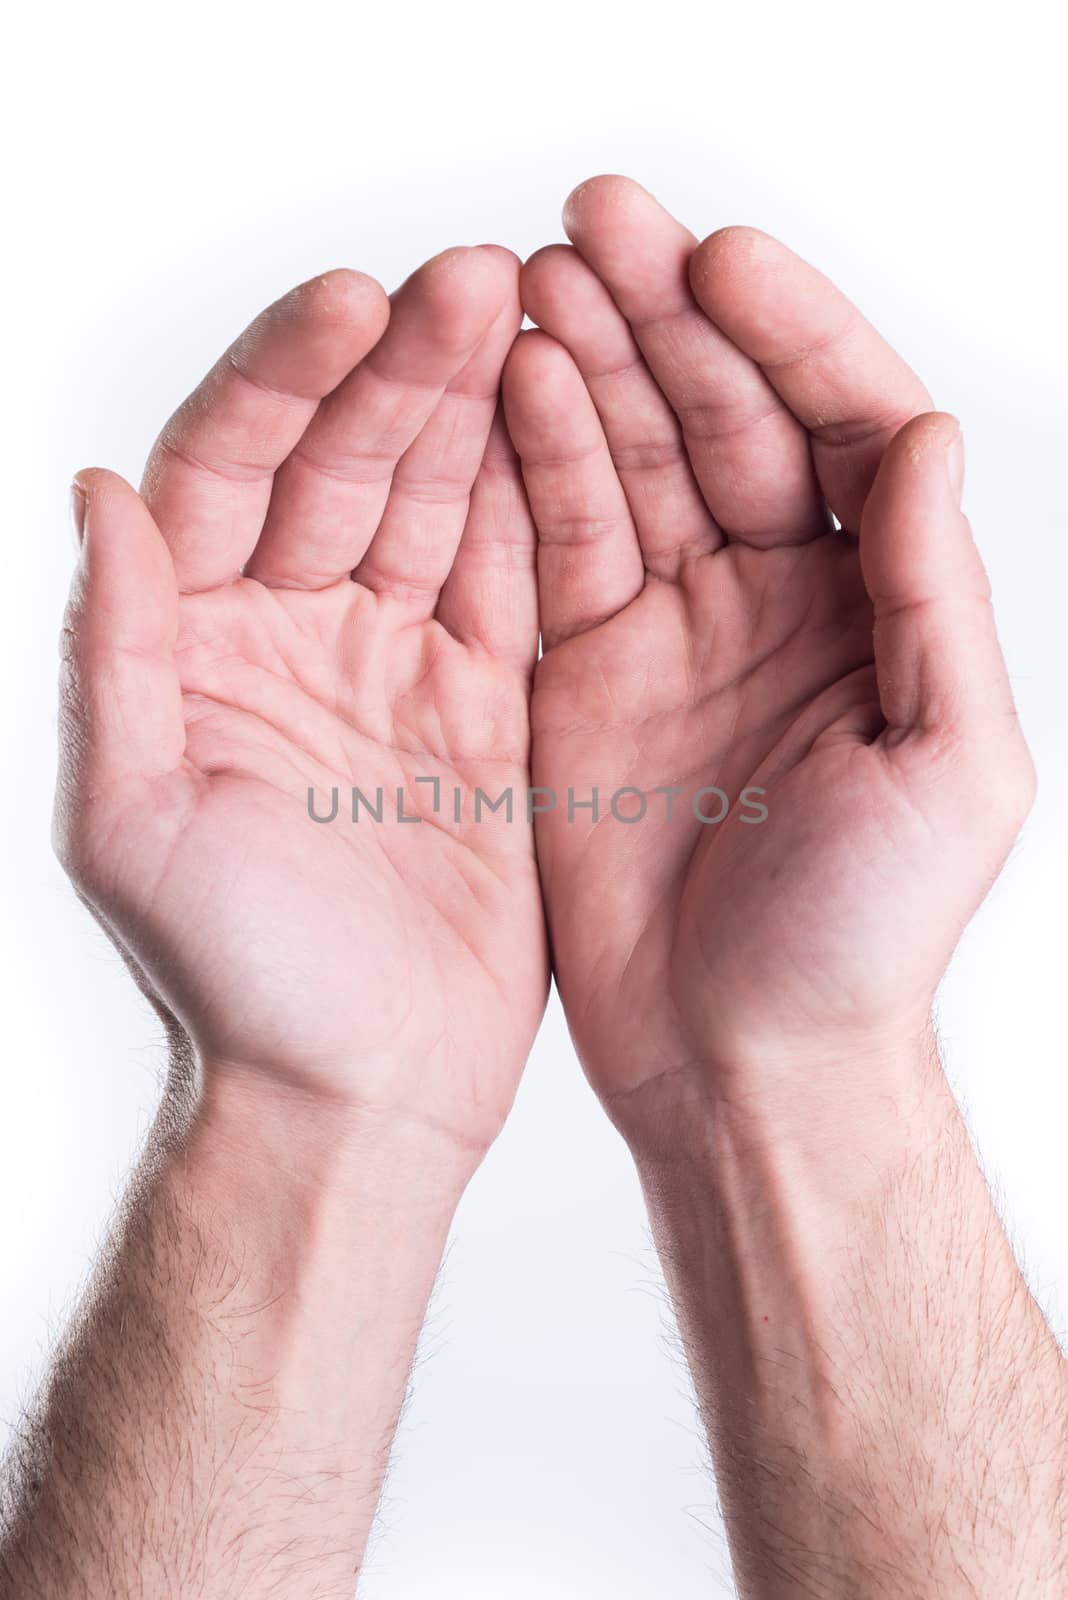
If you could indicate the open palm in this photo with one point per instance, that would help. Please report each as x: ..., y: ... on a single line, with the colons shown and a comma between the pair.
x: 684, y: 421
x: 222, y: 662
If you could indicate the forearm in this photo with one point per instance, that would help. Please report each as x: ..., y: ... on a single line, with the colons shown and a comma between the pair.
x: 220, y: 1417
x: 887, y: 1409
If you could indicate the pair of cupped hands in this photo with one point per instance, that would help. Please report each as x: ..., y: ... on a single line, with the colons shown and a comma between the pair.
x: 728, y: 513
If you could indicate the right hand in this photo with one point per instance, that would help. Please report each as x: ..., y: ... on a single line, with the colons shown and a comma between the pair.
x: 219, y: 660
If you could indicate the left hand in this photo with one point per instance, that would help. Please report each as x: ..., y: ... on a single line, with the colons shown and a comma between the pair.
x: 684, y: 421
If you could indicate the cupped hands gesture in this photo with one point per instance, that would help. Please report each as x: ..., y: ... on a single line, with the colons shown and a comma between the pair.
x: 732, y: 512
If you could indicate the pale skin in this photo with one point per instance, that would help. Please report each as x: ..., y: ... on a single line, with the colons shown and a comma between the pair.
x: 887, y: 1410
x: 351, y: 1005
x: 218, y: 635
x: 334, y: 576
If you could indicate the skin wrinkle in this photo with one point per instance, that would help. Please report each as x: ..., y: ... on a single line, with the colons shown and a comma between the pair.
x: 818, y: 347
x: 713, y: 434
x: 833, y: 435
x: 715, y: 692
x: 351, y: 727
x: 232, y: 473
x: 291, y: 401
x: 652, y: 456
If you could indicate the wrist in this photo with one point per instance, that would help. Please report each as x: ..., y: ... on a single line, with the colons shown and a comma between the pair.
x: 306, y: 1212
x: 773, y: 1212
x: 230, y: 1125
x: 830, y: 1099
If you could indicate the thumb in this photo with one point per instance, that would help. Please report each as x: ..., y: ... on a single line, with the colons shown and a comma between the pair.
x: 937, y: 656
x: 120, y: 702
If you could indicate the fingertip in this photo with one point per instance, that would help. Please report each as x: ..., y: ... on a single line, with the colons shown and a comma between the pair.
x: 346, y: 308
x: 539, y: 387
x: 442, y: 278
x: 923, y: 460
x: 914, y: 542
x: 930, y: 430
x: 93, y: 480
x: 81, y: 488
x: 930, y: 444
x: 303, y: 344
x: 465, y: 288
x: 547, y: 274
x: 502, y: 280
x: 728, y: 253
x: 545, y: 253
x: 124, y: 561
x: 595, y: 198
x: 543, y: 262
x: 507, y: 259
x: 102, y: 488
x: 537, y: 359
x: 344, y: 295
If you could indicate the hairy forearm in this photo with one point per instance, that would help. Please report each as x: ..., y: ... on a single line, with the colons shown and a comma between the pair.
x: 219, y: 1418
x: 887, y: 1410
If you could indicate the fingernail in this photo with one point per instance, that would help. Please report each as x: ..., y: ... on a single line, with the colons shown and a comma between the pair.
x: 79, y: 500
x: 955, y: 465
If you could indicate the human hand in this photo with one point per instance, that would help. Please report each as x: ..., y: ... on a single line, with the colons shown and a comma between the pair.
x: 684, y: 418
x: 220, y: 661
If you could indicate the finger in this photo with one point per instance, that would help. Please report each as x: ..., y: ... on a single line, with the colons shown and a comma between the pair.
x: 120, y: 702
x: 417, y: 537
x: 937, y: 655
x: 589, y: 563
x: 567, y: 299
x: 329, y: 496
x: 490, y: 597
x: 208, y: 478
x: 749, y: 453
x: 837, y: 375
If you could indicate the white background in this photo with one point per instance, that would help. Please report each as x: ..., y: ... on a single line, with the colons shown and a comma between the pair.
x: 174, y: 169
